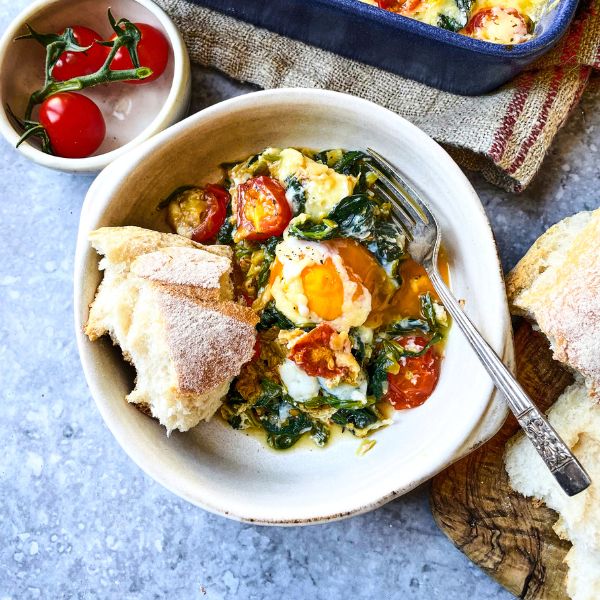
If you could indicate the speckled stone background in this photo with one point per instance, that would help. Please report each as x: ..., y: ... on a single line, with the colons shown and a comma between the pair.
x: 79, y: 520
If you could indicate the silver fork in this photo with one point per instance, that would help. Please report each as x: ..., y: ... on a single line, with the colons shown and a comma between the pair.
x: 424, y: 235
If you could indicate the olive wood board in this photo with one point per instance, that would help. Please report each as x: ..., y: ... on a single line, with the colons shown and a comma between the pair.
x: 509, y: 536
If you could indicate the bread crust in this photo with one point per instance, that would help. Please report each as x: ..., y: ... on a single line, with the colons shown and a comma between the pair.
x: 167, y: 302
x: 557, y: 286
x: 576, y: 417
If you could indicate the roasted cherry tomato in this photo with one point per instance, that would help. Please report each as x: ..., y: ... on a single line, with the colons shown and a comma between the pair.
x: 153, y: 52
x: 257, y: 349
x: 417, y: 378
x: 403, y: 7
x: 76, y: 64
x: 498, y: 24
x: 262, y: 209
x: 313, y: 353
x: 198, y: 213
x: 73, y: 123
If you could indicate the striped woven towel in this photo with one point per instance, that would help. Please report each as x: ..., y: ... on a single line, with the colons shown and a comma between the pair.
x: 504, y: 134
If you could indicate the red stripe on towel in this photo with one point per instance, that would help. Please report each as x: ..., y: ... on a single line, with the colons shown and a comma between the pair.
x: 515, y: 108
x: 541, y: 122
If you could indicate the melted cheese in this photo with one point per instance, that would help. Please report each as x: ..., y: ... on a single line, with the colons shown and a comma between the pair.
x: 324, y: 187
x: 503, y: 28
x: 529, y: 8
x: 429, y: 11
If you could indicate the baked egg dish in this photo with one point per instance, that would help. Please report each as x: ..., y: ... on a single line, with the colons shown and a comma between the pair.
x: 498, y: 21
x: 350, y: 328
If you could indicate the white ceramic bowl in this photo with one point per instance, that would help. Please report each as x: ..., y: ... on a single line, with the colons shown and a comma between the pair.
x: 226, y: 471
x: 133, y: 113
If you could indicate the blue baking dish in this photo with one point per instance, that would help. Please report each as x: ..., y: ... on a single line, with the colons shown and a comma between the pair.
x: 437, y: 57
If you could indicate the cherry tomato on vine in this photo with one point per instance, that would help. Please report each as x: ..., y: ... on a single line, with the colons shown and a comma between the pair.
x: 76, y: 64
x: 73, y: 123
x: 262, y: 209
x: 153, y: 52
x: 417, y: 378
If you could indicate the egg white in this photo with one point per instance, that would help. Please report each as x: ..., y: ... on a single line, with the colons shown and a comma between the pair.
x: 300, y: 386
x: 346, y: 391
x: 288, y: 292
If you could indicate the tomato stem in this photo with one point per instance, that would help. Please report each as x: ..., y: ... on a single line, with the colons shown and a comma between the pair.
x: 127, y: 35
x: 79, y: 83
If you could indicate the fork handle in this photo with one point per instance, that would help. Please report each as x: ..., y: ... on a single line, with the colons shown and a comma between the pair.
x: 565, y: 468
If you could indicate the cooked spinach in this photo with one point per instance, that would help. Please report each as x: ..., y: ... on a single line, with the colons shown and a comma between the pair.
x: 242, y: 253
x: 361, y: 418
x: 387, y: 357
x: 225, y: 235
x: 310, y: 229
x: 456, y: 24
x: 319, y: 433
x: 234, y: 397
x: 284, y: 433
x: 252, y: 159
x: 296, y: 193
x: 325, y: 399
x: 359, y: 349
x: 350, y: 163
x: 390, y: 244
x: 235, y: 421
x: 449, y: 23
x: 408, y: 325
x: 282, y: 421
x: 385, y: 360
x: 268, y: 249
x: 428, y: 311
x: 464, y: 6
x: 427, y: 323
x: 329, y: 157
x: 355, y: 217
x: 271, y: 394
x: 271, y: 317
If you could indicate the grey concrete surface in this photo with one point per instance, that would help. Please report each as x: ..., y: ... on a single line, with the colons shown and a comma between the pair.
x: 79, y: 520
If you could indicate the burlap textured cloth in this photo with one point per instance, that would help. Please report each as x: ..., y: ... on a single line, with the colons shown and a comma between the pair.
x: 504, y: 134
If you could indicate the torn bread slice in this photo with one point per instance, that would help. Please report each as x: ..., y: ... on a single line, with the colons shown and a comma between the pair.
x: 166, y: 301
x: 204, y: 271
x: 576, y: 417
x: 557, y: 286
x: 122, y: 245
x: 186, y: 352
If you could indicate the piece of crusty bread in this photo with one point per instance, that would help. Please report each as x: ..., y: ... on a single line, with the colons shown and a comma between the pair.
x: 167, y: 302
x: 576, y: 417
x: 557, y: 285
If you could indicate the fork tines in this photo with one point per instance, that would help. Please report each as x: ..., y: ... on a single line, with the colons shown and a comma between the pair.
x: 394, y: 188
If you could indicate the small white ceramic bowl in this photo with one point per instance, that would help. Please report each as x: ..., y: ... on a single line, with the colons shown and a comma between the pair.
x: 133, y: 113
x: 226, y: 471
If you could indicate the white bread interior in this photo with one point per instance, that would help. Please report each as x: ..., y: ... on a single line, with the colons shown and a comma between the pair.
x: 167, y: 302
x: 576, y: 417
x: 557, y: 286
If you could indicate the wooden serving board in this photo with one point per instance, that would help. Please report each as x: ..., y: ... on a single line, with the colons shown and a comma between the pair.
x: 507, y: 535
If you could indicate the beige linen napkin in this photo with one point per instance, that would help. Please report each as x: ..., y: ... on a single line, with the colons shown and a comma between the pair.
x: 504, y: 134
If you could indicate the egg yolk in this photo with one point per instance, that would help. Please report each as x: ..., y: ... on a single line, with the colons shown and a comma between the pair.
x: 388, y: 303
x: 363, y: 266
x: 324, y: 290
